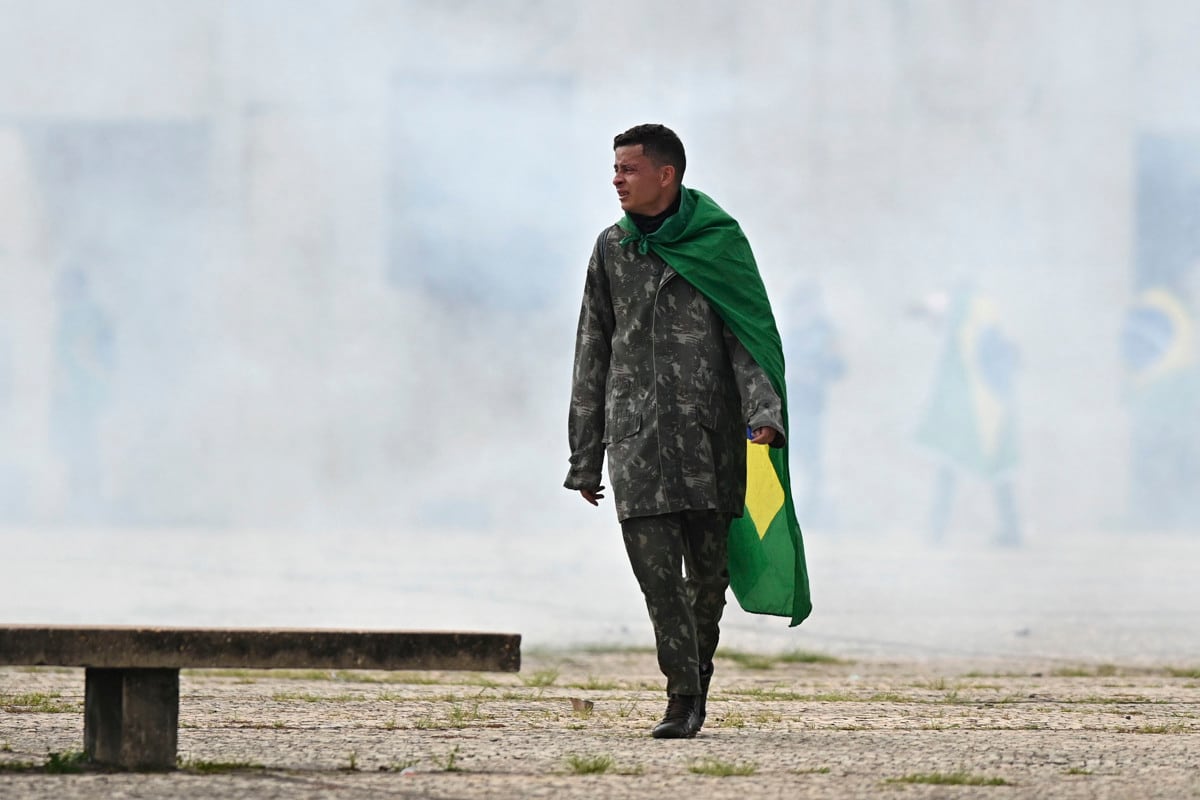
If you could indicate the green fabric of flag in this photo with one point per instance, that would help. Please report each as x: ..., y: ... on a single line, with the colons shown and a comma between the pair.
x: 707, y: 248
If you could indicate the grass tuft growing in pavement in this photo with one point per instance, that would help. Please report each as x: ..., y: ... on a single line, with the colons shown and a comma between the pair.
x: 747, y: 660
x: 460, y: 715
x: 949, y: 779
x: 66, y: 763
x: 783, y: 695
x: 1189, y: 672
x: 1098, y: 671
x: 1176, y: 728
x: 589, y: 765
x: 808, y: 657
x: 310, y: 697
x: 1115, y: 700
x: 595, y: 684
x: 542, y: 678
x: 36, y: 703
x: 723, y: 769
x: 56, y: 764
x: 449, y: 762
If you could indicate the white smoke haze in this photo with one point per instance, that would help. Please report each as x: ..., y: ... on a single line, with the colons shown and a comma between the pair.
x: 288, y: 295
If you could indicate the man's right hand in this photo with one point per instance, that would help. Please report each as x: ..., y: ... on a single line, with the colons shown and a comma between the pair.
x: 593, y: 496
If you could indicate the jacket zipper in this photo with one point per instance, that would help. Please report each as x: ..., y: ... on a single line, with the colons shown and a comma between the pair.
x: 662, y: 475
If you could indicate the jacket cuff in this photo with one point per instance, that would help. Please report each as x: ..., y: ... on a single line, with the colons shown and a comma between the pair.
x: 582, y: 479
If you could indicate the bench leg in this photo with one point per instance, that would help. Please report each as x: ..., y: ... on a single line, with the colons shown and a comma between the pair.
x: 131, y: 717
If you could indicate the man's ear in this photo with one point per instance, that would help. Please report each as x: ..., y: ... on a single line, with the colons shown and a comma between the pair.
x: 667, y: 176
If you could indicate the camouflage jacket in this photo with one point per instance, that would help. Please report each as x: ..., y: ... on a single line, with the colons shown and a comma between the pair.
x: 662, y: 385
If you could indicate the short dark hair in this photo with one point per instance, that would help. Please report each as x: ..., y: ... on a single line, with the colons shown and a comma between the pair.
x: 659, y: 143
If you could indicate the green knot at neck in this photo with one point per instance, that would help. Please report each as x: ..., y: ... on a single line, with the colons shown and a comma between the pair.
x: 671, y: 229
x: 641, y: 239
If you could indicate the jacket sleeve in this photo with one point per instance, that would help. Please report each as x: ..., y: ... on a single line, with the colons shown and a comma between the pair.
x: 593, y: 350
x: 760, y: 403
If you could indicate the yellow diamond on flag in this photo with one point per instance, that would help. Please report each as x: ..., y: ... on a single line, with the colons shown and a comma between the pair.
x: 764, y: 494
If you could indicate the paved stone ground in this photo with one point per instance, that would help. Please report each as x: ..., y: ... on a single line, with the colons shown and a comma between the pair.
x: 846, y: 729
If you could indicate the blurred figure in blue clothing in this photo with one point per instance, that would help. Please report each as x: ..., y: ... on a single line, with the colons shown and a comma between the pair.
x: 1158, y: 348
x: 85, y: 354
x: 12, y: 487
x: 813, y: 363
x: 970, y: 421
x: 1158, y: 338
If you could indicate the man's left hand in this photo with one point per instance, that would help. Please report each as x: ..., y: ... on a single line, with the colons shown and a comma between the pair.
x: 763, y: 436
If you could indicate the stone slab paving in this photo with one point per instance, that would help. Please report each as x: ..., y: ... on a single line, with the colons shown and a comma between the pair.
x: 844, y: 730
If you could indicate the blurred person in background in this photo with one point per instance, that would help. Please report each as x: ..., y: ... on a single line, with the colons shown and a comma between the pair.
x: 1158, y: 347
x: 84, y: 345
x: 12, y: 488
x: 814, y: 362
x: 970, y: 421
x: 1162, y: 388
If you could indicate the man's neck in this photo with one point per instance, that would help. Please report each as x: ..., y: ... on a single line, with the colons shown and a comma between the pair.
x: 649, y: 223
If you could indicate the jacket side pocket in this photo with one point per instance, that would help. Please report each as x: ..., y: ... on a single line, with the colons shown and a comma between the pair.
x: 622, y: 427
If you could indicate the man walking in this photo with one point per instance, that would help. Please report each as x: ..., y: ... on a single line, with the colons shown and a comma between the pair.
x: 665, y: 385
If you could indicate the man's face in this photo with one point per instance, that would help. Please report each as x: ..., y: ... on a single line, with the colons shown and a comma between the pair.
x: 642, y: 187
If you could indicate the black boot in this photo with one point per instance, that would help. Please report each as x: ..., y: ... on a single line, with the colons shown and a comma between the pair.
x: 681, y: 720
x: 706, y: 673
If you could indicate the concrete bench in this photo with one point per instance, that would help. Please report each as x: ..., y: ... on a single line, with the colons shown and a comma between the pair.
x: 131, y: 696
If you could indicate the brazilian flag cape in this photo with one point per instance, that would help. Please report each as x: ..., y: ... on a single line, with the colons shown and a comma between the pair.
x: 707, y: 248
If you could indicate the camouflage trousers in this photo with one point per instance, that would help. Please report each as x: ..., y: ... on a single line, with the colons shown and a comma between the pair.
x: 685, y: 609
